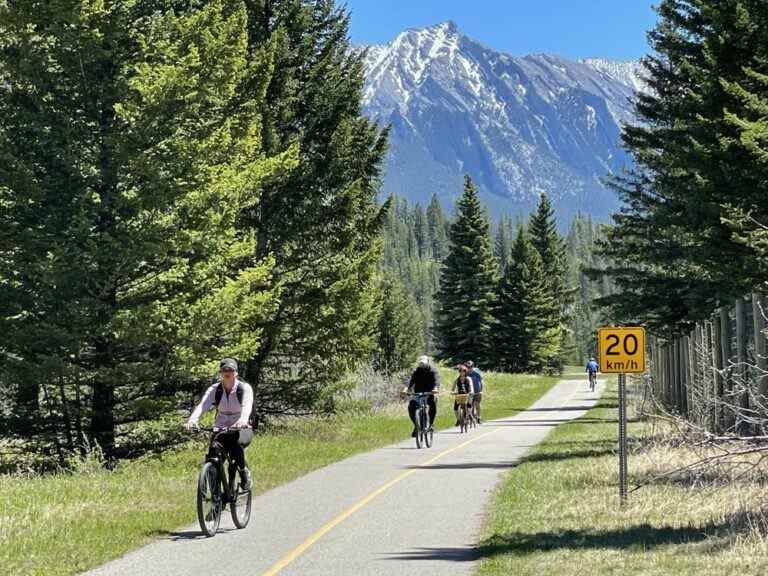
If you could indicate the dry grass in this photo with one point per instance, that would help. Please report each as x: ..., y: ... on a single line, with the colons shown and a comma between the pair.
x: 558, y: 513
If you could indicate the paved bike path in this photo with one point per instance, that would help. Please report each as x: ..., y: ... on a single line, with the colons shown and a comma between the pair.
x: 396, y: 510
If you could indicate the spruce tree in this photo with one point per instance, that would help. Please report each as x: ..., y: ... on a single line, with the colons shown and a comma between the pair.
x: 125, y: 163
x: 551, y: 249
x: 438, y: 227
x: 321, y: 222
x: 526, y: 335
x: 464, y: 323
x: 673, y: 254
x: 399, y: 329
x: 502, y: 246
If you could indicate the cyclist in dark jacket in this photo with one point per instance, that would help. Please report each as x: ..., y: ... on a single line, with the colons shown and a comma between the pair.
x: 423, y: 379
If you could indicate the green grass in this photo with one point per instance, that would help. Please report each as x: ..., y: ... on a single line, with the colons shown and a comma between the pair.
x: 64, y: 524
x: 558, y: 512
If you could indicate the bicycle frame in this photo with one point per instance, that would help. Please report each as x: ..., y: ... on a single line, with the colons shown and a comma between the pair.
x: 221, y: 458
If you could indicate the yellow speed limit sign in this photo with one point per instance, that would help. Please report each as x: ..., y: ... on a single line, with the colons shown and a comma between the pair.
x: 621, y: 350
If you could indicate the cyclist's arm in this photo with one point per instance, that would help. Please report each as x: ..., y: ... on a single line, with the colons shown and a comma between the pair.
x: 205, y: 404
x: 247, y: 407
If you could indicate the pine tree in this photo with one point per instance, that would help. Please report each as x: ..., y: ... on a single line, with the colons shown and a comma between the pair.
x: 125, y: 162
x: 674, y: 256
x: 526, y: 334
x: 466, y: 299
x: 399, y: 329
x: 502, y: 245
x: 320, y: 222
x: 551, y: 249
x: 437, y: 229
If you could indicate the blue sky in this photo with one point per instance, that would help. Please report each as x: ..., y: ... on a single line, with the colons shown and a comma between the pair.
x: 613, y: 29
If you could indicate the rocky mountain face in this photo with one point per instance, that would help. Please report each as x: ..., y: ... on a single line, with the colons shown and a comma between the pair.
x: 517, y: 126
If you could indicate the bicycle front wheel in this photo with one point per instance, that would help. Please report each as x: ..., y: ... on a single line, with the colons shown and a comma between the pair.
x: 241, y: 507
x: 209, y: 499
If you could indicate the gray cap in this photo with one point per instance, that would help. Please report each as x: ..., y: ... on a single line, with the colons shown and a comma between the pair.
x: 228, y: 364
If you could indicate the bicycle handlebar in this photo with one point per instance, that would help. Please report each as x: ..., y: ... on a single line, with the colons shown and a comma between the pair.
x: 216, y: 429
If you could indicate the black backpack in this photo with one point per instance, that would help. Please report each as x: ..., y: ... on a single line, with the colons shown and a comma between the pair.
x: 220, y: 393
x: 239, y: 392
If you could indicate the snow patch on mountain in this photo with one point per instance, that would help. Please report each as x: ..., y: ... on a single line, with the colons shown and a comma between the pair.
x: 518, y: 125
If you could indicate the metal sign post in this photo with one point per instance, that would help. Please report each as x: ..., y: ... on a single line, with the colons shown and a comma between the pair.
x: 622, y: 351
x: 622, y: 439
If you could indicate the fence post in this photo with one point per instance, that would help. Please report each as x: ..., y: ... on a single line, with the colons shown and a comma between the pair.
x: 723, y: 366
x: 759, y: 325
x: 741, y: 374
x: 708, y: 374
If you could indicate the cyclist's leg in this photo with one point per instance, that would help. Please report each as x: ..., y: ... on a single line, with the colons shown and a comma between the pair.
x: 412, y: 406
x: 232, y: 445
x: 432, y: 410
x: 456, y: 411
x: 478, y: 399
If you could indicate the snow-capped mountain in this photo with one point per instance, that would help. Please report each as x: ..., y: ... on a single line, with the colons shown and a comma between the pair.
x: 518, y: 126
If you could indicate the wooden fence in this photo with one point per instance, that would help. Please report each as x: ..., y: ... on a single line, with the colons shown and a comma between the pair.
x: 716, y: 376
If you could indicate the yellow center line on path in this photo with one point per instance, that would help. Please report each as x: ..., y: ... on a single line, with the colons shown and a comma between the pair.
x: 301, y: 548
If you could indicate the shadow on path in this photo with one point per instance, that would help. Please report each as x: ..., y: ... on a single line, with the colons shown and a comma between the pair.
x: 555, y: 456
x: 642, y: 537
x: 467, y: 466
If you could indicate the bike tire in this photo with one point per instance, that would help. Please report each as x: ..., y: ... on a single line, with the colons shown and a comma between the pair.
x: 240, y: 507
x: 428, y: 433
x: 209, y: 499
x: 419, y: 429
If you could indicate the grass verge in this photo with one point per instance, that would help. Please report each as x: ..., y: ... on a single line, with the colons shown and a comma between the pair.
x: 64, y: 524
x: 558, y: 511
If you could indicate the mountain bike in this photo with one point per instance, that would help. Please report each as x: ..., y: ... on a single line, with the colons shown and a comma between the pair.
x: 472, y: 420
x: 424, y: 432
x: 463, y: 411
x: 217, y: 486
x: 592, y: 381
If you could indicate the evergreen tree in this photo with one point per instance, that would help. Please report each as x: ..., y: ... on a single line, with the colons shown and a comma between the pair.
x: 320, y: 222
x: 466, y: 298
x: 548, y: 243
x: 125, y: 163
x: 526, y: 334
x: 438, y: 229
x: 399, y: 329
x: 674, y: 256
x: 502, y: 246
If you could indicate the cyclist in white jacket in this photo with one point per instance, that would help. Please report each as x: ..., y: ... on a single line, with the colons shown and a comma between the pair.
x: 233, y: 400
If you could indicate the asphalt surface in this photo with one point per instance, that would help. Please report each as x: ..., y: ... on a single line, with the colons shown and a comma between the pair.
x: 396, y: 510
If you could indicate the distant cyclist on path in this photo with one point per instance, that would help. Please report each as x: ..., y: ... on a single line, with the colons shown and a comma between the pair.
x: 423, y: 379
x: 477, y: 381
x: 591, y: 370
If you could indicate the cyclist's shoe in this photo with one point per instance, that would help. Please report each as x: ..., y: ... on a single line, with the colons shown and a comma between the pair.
x: 246, y: 482
x: 415, y: 432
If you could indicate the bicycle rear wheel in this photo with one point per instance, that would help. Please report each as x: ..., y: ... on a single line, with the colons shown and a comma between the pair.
x: 427, y: 429
x: 209, y: 499
x: 241, y: 507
